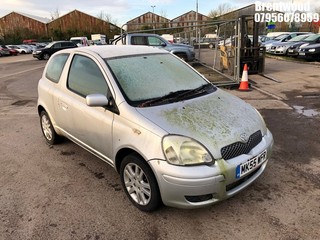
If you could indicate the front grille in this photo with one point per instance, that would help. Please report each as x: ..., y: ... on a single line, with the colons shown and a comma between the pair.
x: 238, y: 148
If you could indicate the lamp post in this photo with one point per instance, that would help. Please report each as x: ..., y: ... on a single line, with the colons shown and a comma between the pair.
x: 153, y: 6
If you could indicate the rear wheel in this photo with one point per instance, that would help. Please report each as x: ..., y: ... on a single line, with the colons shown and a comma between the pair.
x: 139, y: 183
x: 46, y: 56
x: 47, y: 129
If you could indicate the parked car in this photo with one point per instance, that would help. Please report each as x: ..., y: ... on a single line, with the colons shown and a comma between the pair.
x: 230, y: 41
x: 281, y: 48
x: 26, y: 48
x: 281, y: 38
x: 51, y: 48
x: 171, y: 135
x: 311, y: 52
x: 4, y: 51
x: 20, y: 49
x: 80, y: 41
x: 184, y: 51
x: 294, y: 49
x: 205, y: 43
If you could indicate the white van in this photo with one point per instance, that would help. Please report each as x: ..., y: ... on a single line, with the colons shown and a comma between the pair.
x: 80, y: 41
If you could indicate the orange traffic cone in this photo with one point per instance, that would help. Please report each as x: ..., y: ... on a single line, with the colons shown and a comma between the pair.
x: 244, y: 84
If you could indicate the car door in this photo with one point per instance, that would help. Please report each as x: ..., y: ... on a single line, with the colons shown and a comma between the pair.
x: 90, y: 127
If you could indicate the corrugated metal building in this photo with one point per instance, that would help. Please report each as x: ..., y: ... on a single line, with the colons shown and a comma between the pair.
x: 146, y: 21
x: 188, y: 20
x: 23, y: 25
x: 16, y: 27
x: 77, y: 23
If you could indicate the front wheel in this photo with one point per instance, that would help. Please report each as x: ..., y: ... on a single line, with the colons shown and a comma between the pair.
x: 139, y: 183
x: 182, y: 56
x: 47, y: 129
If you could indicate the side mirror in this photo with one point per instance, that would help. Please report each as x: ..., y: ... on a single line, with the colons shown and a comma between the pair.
x: 163, y: 44
x: 97, y: 100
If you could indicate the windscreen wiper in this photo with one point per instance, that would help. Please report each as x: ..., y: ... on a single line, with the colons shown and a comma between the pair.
x: 177, y: 96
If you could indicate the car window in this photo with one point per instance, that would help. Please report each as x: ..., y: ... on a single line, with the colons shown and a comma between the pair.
x: 154, y: 41
x: 85, y: 77
x: 138, y: 40
x: 56, y: 66
x: 57, y: 45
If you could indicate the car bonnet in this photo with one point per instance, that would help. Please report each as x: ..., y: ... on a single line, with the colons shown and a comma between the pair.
x: 215, y: 120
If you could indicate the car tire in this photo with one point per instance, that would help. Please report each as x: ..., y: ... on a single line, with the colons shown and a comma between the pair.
x: 46, y: 56
x: 139, y: 183
x: 47, y: 129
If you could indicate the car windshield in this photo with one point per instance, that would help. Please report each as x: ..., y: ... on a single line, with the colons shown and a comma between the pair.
x: 312, y: 38
x: 280, y: 37
x: 154, y: 77
x: 298, y: 38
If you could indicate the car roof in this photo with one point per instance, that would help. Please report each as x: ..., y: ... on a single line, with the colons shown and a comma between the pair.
x: 110, y: 51
x: 62, y: 41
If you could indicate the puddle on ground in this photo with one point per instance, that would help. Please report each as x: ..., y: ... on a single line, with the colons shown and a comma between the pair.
x: 306, y: 112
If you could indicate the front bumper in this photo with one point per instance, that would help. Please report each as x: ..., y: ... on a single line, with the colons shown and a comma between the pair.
x: 309, y: 55
x: 37, y: 55
x: 280, y: 51
x: 292, y: 52
x: 199, y: 186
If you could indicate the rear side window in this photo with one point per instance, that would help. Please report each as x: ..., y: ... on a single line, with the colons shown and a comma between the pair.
x: 57, y: 45
x: 55, y: 67
x: 85, y: 77
x: 138, y: 40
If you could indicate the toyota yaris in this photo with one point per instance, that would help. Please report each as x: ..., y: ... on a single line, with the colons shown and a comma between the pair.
x: 173, y: 137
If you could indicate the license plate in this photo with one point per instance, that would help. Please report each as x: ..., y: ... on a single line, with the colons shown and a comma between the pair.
x: 290, y: 50
x: 302, y: 53
x: 251, y: 164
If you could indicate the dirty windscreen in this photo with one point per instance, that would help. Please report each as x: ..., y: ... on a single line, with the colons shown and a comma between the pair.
x: 146, y: 77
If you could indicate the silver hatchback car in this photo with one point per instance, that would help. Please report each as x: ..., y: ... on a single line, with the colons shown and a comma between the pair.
x: 173, y: 137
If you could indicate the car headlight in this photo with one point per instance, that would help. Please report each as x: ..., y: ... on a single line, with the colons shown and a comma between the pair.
x: 264, y: 129
x: 312, y: 50
x: 180, y: 150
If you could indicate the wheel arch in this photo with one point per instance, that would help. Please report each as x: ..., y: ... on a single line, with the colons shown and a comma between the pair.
x: 121, y: 154
x: 41, y: 108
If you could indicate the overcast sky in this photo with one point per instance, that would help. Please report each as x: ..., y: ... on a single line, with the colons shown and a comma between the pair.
x: 122, y: 11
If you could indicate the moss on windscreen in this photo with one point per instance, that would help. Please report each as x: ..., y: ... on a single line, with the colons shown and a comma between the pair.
x: 151, y: 76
